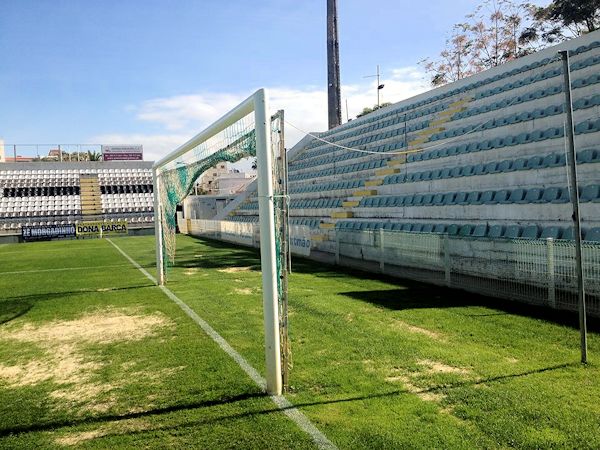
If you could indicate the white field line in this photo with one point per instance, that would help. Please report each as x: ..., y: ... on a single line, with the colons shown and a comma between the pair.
x: 60, y: 269
x: 282, y: 403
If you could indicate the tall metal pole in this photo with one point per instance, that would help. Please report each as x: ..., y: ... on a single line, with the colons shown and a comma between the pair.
x: 333, y: 67
x: 15, y: 152
x: 378, y: 84
x: 574, y: 188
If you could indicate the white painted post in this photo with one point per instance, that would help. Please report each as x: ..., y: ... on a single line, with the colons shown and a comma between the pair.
x: 446, y: 249
x: 267, y: 243
x: 381, y: 251
x: 551, y: 274
x: 158, y: 235
x: 337, y: 246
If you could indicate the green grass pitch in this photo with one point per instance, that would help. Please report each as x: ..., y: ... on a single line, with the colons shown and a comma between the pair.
x: 93, y: 355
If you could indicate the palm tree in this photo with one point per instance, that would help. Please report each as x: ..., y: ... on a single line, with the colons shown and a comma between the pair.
x: 94, y: 156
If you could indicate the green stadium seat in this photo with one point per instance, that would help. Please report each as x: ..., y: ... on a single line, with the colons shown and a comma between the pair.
x: 466, y: 230
x: 491, y: 167
x: 502, y: 196
x: 468, y: 170
x: 496, y: 231
x: 488, y: 198
x: 452, y: 230
x: 593, y: 235
x: 461, y: 198
x: 517, y: 196
x: 505, y: 166
x: 534, y: 195
x: 530, y: 232
x: 449, y: 198
x: 479, y: 169
x: 438, y: 199
x: 512, y: 232
x: 588, y: 156
x: 417, y: 228
x: 456, y: 172
x: 551, y: 232
x: 535, y: 162
x: 480, y: 230
x: 590, y: 193
x: 427, y: 228
x: 520, y: 164
x: 427, y: 199
x: 553, y: 160
x: 474, y: 198
x: 439, y: 228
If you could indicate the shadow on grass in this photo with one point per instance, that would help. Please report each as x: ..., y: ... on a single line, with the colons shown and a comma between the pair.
x: 13, y: 309
x: 48, y: 426
x: 51, y: 426
x: 42, y: 296
x: 409, y: 295
x: 421, y: 296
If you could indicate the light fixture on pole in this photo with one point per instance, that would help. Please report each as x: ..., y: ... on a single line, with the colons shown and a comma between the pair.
x: 379, y: 85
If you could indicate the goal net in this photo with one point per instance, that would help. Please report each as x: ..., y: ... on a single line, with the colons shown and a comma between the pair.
x: 245, y: 131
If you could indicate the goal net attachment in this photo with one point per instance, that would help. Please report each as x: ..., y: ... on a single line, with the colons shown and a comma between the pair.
x: 245, y: 131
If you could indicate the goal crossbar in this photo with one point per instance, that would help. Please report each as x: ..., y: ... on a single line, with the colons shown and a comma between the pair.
x: 257, y: 102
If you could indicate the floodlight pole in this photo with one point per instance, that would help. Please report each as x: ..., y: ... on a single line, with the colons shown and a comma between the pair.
x: 268, y: 258
x: 158, y: 231
x: 574, y: 188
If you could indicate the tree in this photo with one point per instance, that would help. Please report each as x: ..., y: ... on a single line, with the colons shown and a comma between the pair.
x: 561, y: 20
x: 366, y: 110
x: 454, y: 62
x: 94, y: 156
x: 488, y: 37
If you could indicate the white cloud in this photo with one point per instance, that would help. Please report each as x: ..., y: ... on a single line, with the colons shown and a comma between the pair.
x: 183, y: 116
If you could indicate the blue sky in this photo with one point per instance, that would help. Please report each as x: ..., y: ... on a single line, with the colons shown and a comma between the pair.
x: 156, y: 72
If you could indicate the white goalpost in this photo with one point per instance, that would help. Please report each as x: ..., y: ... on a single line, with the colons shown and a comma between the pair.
x: 228, y: 138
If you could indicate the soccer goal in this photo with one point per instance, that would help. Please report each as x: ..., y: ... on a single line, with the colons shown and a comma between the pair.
x: 245, y: 131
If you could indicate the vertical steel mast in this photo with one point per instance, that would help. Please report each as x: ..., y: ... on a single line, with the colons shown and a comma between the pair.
x: 333, y: 67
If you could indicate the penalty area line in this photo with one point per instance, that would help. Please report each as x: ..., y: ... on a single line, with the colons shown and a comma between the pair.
x: 282, y: 403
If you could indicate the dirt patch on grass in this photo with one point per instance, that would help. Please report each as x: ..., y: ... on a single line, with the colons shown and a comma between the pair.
x: 417, y: 383
x: 190, y: 271
x: 423, y: 394
x: 243, y: 291
x: 235, y: 269
x: 439, y: 367
x: 62, y: 358
x: 418, y: 330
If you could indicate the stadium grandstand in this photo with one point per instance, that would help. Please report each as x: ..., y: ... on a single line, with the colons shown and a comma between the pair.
x: 465, y: 185
x: 55, y: 193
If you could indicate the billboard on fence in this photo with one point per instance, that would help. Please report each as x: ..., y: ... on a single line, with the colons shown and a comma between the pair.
x: 122, y: 153
x: 41, y: 232
x: 300, y: 240
x: 101, y: 228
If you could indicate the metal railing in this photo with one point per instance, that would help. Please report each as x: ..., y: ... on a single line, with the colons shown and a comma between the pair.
x: 534, y: 271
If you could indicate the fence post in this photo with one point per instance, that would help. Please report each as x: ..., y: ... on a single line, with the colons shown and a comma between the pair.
x: 337, y: 246
x: 381, y: 251
x: 550, y: 271
x: 446, y: 250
